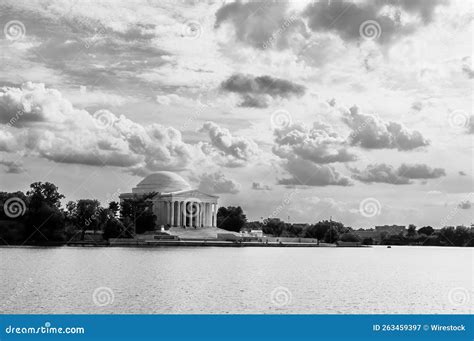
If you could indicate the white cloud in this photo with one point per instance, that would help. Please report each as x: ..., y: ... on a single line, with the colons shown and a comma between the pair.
x: 369, y: 131
x: 234, y: 150
x: 49, y: 126
x: 320, y: 144
x: 215, y: 183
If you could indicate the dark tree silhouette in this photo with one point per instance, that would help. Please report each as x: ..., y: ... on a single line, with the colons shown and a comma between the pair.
x: 231, y: 218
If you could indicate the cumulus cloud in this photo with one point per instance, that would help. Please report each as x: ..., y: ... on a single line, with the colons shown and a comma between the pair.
x: 403, y: 175
x: 217, y: 183
x: 260, y: 187
x: 255, y: 90
x: 307, y: 173
x: 260, y: 24
x: 233, y: 150
x: 12, y: 167
x: 369, y: 131
x: 465, y: 205
x: 319, y: 144
x: 49, y: 126
x: 344, y: 18
x: 305, y: 153
x: 249, y: 101
x: 420, y: 171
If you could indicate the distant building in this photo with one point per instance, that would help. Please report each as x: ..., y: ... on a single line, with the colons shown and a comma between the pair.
x: 175, y: 202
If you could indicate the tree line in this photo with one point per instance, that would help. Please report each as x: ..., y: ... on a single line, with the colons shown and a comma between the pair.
x: 37, y: 217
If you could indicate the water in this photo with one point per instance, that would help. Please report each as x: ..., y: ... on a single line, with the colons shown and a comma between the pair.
x: 236, y: 280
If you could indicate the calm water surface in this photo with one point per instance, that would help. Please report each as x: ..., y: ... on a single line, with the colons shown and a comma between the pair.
x: 236, y: 280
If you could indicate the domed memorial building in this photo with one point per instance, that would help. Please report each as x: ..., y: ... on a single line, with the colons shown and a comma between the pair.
x: 175, y: 202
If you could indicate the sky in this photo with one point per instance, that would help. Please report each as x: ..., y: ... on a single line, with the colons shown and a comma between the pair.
x: 356, y: 111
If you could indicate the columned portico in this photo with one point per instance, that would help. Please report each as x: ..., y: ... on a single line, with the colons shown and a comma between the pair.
x: 180, y: 210
x: 174, y: 203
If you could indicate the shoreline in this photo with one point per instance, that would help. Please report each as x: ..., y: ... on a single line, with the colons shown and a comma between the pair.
x: 181, y: 243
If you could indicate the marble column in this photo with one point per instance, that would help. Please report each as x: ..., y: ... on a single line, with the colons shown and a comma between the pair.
x: 209, y: 217
x: 172, y: 213
x: 215, y: 215
x: 183, y: 213
x: 178, y: 215
x: 189, y: 216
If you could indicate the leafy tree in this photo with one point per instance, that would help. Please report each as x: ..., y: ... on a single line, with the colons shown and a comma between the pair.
x: 87, y: 213
x: 137, y: 213
x: 48, y: 192
x: 114, y: 228
x: 44, y: 223
x: 368, y: 241
x: 253, y: 225
x: 426, y: 230
x: 411, y: 232
x: 114, y: 208
x: 292, y: 230
x: 231, y: 218
x: 349, y: 237
x: 274, y: 226
x: 326, y: 230
x: 71, y: 211
x: 332, y: 235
